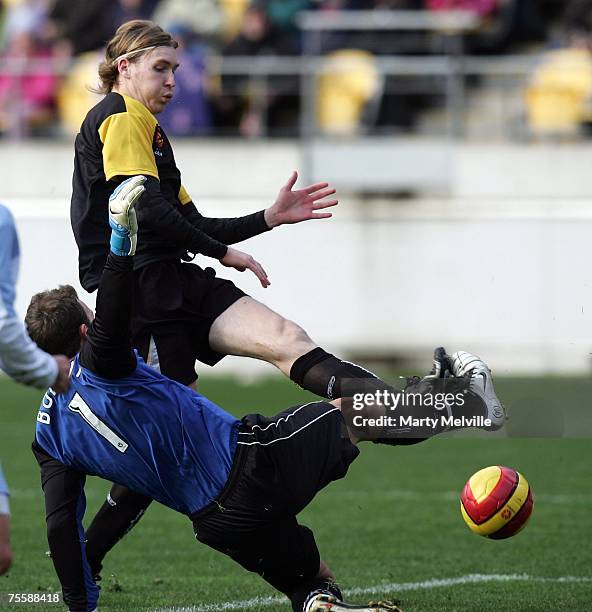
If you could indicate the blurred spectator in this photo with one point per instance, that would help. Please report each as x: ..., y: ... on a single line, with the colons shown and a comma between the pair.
x: 260, y: 36
x: 282, y: 13
x: 84, y: 24
x: 578, y: 19
x: 28, y: 81
x: 249, y: 105
x: 483, y: 8
x: 188, y: 113
x: 75, y: 96
x: 559, y: 97
x: 504, y: 22
x: 126, y: 10
x: 204, y: 17
x: 233, y: 11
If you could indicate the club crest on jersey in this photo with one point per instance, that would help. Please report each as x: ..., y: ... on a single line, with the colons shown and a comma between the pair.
x: 158, y: 142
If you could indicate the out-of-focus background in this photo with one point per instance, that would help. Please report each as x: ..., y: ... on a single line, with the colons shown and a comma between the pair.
x: 457, y: 133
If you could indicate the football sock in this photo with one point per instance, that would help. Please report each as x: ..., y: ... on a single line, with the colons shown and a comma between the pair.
x: 324, y: 374
x: 120, y: 512
x: 301, y: 596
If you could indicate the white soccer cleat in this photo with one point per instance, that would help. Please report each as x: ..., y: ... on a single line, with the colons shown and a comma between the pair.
x: 322, y: 602
x: 122, y: 215
x: 465, y: 364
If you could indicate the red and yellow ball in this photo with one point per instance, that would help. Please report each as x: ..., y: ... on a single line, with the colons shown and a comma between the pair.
x: 496, y: 502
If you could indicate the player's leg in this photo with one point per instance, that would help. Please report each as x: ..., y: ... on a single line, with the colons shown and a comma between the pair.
x: 285, y: 554
x: 119, y: 513
x: 457, y: 394
x: 249, y: 328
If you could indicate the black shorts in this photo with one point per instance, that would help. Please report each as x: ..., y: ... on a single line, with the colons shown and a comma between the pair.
x: 176, y: 304
x: 280, y: 465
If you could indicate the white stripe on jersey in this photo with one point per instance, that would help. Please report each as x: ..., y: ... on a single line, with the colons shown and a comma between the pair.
x: 275, y: 423
x: 77, y: 404
x: 293, y: 433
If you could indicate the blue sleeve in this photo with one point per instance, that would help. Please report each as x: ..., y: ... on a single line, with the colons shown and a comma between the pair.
x: 9, y: 260
x: 20, y: 357
x: 3, y: 486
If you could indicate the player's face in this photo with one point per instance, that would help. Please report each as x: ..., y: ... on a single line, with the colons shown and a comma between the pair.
x: 151, y: 79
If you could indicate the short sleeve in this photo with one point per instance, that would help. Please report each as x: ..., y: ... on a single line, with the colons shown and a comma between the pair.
x: 127, y: 145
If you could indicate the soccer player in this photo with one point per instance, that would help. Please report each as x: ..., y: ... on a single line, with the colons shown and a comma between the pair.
x: 20, y: 358
x: 188, y: 311
x: 241, y: 482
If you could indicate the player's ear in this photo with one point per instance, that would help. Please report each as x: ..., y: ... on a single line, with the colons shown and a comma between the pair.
x: 124, y: 68
x: 83, y: 331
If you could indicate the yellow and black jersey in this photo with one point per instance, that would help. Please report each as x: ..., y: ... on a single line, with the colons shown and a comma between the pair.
x: 120, y: 138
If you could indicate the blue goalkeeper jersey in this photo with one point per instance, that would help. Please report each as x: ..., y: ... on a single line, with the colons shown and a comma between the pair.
x: 145, y: 431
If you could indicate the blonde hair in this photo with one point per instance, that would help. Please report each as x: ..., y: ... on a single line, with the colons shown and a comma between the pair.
x: 132, y: 40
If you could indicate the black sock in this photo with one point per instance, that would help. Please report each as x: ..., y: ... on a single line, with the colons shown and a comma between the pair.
x: 325, y: 375
x: 300, y: 596
x: 118, y: 515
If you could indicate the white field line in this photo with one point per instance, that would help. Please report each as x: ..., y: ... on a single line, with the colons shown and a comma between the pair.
x: 389, y: 589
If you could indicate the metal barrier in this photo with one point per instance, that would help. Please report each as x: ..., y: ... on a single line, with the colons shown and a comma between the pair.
x: 450, y: 69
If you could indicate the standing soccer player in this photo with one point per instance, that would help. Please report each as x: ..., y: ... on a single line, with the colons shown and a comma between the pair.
x: 20, y: 357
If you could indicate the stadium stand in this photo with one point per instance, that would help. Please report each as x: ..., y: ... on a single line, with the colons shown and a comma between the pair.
x: 44, y: 45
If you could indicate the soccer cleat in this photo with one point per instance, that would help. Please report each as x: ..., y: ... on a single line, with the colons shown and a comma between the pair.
x: 324, y: 601
x: 122, y: 215
x: 440, y: 364
x: 469, y: 366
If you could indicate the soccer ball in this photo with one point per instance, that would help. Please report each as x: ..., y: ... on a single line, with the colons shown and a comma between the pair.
x: 496, y: 502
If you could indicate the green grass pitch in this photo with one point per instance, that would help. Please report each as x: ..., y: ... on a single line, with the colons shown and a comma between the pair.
x: 394, y: 520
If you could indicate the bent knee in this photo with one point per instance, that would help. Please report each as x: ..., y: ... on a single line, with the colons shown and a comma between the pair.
x: 290, y: 331
x: 292, y: 338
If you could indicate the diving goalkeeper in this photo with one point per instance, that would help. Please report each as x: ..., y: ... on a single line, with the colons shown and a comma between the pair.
x: 241, y: 482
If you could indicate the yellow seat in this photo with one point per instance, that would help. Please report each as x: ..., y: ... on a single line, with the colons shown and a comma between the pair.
x: 74, y: 98
x: 349, y: 81
x: 234, y: 11
x: 557, y: 99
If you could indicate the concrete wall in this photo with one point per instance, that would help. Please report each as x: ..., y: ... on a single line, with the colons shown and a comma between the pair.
x: 499, y: 267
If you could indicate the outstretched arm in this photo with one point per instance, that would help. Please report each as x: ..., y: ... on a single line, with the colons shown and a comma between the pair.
x: 296, y: 205
x: 159, y: 217
x: 227, y: 230
x: 291, y: 206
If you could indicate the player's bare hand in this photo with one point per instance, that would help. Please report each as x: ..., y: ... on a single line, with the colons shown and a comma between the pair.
x: 62, y: 382
x: 295, y: 205
x: 242, y: 261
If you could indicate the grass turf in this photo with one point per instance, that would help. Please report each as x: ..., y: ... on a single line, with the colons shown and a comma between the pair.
x: 393, y: 519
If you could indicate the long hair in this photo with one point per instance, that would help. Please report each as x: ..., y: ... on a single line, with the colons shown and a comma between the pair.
x: 131, y: 36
